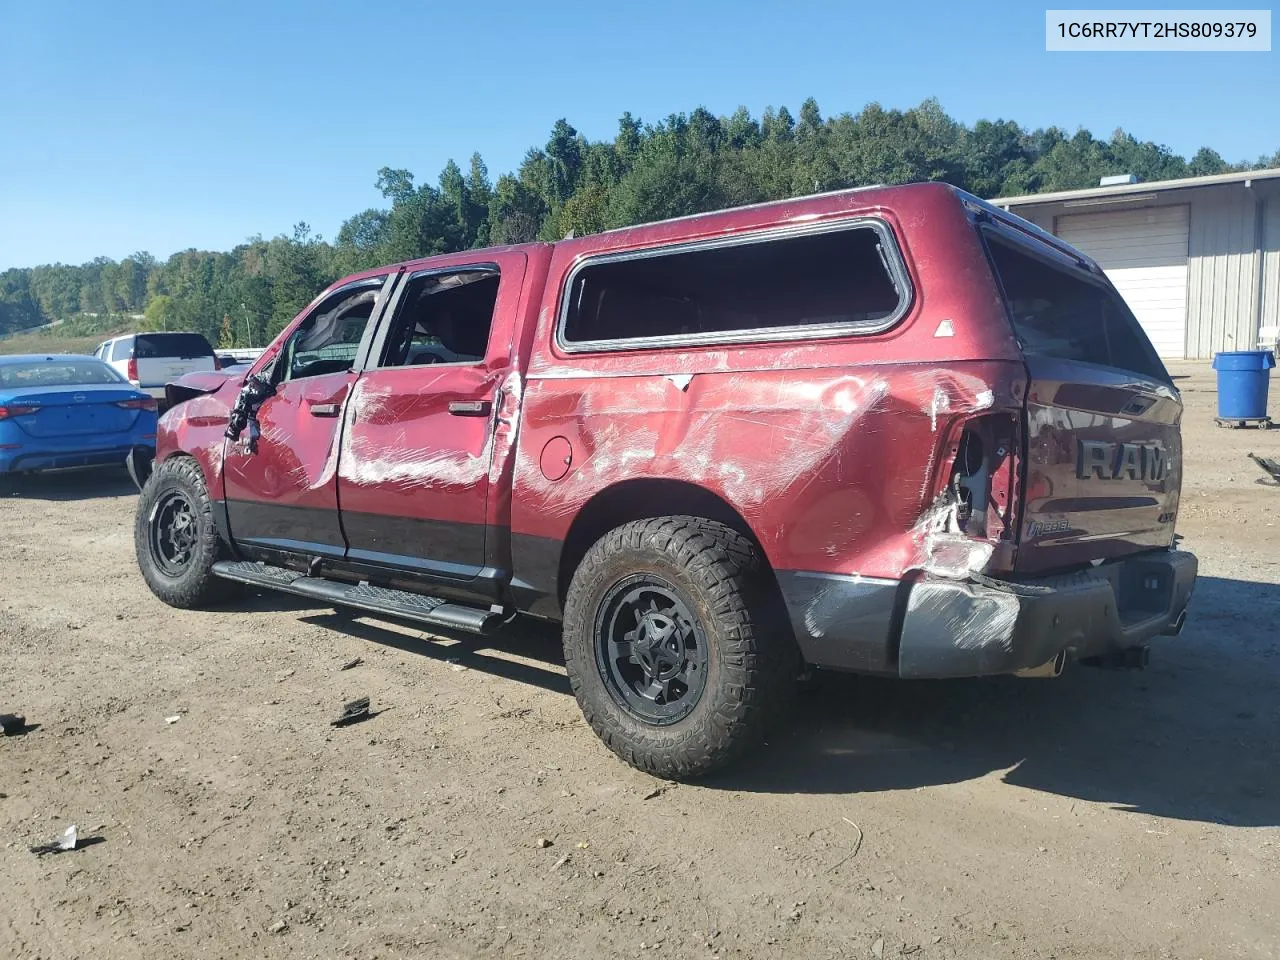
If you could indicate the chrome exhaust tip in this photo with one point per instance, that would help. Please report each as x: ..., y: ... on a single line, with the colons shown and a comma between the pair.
x: 1051, y: 669
x: 1128, y: 658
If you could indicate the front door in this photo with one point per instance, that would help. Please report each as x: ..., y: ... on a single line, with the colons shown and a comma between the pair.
x: 413, y: 478
x: 284, y: 496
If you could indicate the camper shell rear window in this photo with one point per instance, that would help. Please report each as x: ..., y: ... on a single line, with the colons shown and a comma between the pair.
x: 1067, y: 313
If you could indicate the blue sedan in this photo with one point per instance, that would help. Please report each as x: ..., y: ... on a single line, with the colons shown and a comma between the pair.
x: 68, y: 411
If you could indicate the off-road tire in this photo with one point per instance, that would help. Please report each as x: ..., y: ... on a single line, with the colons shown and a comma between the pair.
x: 195, y: 586
x: 753, y: 661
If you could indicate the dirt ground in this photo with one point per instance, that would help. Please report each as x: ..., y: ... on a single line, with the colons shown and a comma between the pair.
x: 1100, y: 815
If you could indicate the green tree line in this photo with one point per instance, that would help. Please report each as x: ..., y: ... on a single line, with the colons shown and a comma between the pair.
x: 686, y: 163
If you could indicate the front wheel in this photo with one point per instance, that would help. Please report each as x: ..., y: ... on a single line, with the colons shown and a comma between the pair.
x: 176, y: 539
x: 675, y: 646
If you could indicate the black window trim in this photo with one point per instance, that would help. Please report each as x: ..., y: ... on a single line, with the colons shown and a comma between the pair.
x: 892, y: 259
x: 390, y: 315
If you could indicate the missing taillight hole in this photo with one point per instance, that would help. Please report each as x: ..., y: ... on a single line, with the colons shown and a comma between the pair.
x: 970, y: 484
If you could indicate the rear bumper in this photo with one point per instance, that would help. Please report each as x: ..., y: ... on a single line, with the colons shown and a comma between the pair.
x: 25, y: 461
x: 934, y: 628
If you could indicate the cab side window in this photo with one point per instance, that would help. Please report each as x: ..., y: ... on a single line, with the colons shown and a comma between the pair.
x: 443, y: 318
x: 329, y: 339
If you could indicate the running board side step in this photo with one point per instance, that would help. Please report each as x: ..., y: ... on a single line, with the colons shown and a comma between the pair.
x: 363, y: 596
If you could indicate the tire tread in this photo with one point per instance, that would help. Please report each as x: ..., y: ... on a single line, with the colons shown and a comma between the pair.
x: 197, y: 587
x: 757, y: 653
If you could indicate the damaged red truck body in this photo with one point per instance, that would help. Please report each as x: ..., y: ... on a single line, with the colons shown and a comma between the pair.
x: 890, y: 430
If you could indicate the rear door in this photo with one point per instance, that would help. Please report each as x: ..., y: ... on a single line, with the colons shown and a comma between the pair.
x: 1103, y: 468
x: 283, y: 496
x: 413, y: 479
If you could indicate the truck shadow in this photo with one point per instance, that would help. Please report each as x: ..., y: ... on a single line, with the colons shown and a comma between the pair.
x: 87, y: 484
x: 1194, y: 737
x: 530, y: 654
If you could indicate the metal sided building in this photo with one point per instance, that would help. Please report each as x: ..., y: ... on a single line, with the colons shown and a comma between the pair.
x: 1197, y: 260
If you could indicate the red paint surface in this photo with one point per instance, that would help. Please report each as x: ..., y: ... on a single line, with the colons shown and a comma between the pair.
x: 404, y: 454
x: 295, y: 464
x: 557, y: 457
x: 829, y: 449
x: 833, y: 450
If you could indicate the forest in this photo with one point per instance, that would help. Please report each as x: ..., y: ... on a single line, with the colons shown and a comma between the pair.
x: 686, y: 163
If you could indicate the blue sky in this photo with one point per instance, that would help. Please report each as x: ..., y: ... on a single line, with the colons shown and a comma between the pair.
x: 162, y: 126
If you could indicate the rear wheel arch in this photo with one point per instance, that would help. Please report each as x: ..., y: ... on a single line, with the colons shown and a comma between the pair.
x: 643, y: 499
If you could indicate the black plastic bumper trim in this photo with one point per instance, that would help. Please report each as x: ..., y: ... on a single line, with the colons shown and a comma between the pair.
x: 841, y: 622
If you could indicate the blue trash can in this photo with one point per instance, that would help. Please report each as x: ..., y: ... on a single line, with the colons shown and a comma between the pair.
x: 1243, y: 379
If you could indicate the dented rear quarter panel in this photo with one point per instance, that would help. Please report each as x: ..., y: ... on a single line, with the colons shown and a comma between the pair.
x: 828, y: 449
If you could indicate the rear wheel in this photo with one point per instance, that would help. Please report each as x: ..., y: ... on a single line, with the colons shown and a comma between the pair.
x: 176, y: 539
x: 675, y: 646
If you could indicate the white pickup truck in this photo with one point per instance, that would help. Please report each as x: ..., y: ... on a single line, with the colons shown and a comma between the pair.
x: 150, y: 360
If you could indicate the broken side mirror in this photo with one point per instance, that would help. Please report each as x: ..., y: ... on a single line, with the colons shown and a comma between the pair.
x: 256, y: 389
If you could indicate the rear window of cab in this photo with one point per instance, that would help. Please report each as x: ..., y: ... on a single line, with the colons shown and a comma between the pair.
x: 187, y: 346
x: 57, y: 373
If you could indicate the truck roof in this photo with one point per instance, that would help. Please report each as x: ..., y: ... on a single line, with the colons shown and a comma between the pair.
x: 927, y: 195
x: 729, y: 219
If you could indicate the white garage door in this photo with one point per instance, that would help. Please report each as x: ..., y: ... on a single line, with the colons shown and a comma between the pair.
x: 1144, y: 252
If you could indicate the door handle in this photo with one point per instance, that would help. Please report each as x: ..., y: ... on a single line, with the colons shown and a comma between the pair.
x: 324, y: 409
x: 470, y: 408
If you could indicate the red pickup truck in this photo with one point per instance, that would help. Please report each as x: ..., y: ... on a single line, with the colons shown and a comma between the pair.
x: 889, y: 430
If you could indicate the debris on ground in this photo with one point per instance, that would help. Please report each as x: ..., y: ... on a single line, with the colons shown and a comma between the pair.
x: 280, y: 926
x: 352, y: 663
x: 542, y: 843
x: 1272, y: 468
x: 174, y: 719
x: 856, y: 847
x: 559, y: 863
x: 877, y: 948
x: 353, y: 712
x: 12, y: 724
x: 68, y: 841
x: 654, y: 793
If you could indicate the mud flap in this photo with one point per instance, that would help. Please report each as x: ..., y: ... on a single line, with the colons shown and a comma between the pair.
x: 138, y: 463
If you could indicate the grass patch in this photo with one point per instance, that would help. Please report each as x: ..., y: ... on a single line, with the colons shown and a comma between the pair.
x: 53, y: 341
